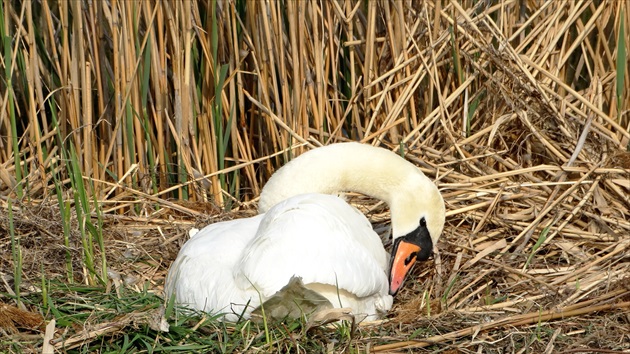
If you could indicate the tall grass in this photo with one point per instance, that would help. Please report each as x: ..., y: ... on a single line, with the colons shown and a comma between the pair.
x: 155, y: 94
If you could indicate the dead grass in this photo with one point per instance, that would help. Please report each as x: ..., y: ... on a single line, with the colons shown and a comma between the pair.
x: 513, y: 108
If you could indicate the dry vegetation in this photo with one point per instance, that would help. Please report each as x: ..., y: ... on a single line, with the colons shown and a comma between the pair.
x: 124, y: 123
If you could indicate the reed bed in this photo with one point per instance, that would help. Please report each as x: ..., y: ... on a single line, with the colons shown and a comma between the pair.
x: 123, y: 124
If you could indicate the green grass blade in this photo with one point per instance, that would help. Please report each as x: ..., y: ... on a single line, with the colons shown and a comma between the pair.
x: 97, y: 232
x: 448, y: 290
x: 45, y: 285
x: 457, y: 63
x: 64, y: 210
x: 16, y: 252
x: 471, y: 112
x: 146, y: 124
x: 12, y: 115
x: 82, y: 208
x: 539, y: 242
x: 622, y: 61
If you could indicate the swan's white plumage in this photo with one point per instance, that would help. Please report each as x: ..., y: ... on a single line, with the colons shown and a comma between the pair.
x: 229, y: 267
x: 323, y: 240
x: 317, y: 237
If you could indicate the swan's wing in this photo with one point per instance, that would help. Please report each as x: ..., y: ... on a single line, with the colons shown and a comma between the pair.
x: 201, y: 276
x: 319, y: 238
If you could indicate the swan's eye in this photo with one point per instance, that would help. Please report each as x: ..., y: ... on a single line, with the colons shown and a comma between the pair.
x: 411, y: 258
x: 423, y: 222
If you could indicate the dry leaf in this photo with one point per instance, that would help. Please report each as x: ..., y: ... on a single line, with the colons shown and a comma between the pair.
x: 12, y: 318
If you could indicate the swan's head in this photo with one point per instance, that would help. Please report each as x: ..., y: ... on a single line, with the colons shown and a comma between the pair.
x: 417, y: 223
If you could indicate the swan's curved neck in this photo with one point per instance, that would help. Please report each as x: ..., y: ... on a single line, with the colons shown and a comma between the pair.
x: 347, y: 167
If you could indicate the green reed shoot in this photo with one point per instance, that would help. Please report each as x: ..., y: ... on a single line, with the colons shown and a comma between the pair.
x: 16, y: 253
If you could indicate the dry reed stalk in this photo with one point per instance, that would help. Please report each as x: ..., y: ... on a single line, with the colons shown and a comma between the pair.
x: 512, y: 321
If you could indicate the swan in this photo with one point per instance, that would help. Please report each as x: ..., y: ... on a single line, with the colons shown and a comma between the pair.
x: 305, y: 231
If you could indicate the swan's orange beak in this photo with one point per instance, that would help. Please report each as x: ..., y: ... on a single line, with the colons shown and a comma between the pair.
x: 416, y: 245
x: 404, y: 258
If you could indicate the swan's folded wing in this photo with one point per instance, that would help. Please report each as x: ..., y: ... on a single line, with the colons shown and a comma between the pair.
x: 202, y: 275
x: 319, y: 238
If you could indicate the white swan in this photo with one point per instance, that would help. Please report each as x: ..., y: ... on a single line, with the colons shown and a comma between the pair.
x: 305, y: 231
